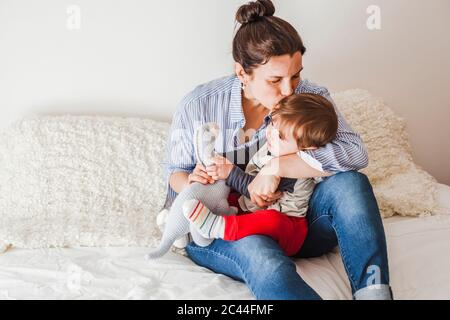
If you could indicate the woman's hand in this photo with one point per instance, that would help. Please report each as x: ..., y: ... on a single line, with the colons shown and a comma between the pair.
x: 200, y: 175
x: 263, y: 189
x: 221, y: 169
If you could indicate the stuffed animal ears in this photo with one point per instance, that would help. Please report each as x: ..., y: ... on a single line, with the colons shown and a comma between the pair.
x: 204, y: 140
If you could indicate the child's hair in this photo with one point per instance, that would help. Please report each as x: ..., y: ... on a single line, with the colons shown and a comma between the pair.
x: 311, y: 119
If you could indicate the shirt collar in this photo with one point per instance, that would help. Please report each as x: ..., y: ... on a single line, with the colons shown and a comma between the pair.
x: 236, y: 112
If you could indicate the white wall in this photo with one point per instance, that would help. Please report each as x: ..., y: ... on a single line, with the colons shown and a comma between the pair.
x: 140, y: 57
x: 407, y: 62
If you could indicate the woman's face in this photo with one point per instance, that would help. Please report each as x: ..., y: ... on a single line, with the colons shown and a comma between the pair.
x: 270, y: 83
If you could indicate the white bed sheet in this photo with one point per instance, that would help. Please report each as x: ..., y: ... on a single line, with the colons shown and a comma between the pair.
x: 418, y: 259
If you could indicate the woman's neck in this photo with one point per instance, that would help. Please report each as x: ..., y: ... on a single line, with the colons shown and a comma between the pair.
x: 256, y: 109
x: 254, y: 113
x: 248, y: 101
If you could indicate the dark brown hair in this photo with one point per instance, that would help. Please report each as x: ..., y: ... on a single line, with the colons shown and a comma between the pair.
x: 311, y: 118
x: 262, y: 36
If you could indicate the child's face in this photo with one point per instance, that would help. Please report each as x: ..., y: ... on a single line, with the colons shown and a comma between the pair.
x: 280, y: 142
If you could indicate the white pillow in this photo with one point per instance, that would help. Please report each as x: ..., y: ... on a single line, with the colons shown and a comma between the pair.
x: 81, y: 181
x: 400, y: 186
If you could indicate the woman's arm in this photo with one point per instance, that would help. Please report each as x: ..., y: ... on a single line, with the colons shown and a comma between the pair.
x: 181, y: 166
x: 292, y: 166
x: 347, y: 151
x: 180, y: 180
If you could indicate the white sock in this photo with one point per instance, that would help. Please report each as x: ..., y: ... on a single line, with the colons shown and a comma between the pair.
x: 204, y: 221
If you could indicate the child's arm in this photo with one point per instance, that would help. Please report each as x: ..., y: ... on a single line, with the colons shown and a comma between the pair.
x: 234, y: 176
x: 239, y: 180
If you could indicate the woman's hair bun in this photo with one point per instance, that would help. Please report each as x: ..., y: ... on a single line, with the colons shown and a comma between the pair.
x: 253, y: 11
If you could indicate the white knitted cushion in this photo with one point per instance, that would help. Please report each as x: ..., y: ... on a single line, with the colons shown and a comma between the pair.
x: 98, y: 181
x: 81, y: 181
x: 400, y: 186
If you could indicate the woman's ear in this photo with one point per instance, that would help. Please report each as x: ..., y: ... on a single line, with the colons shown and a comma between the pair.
x: 240, y: 73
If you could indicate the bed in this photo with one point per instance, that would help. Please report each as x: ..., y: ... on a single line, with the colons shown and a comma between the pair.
x: 418, y: 259
x: 89, y: 188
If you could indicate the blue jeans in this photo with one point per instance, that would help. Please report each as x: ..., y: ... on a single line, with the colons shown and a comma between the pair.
x: 342, y: 211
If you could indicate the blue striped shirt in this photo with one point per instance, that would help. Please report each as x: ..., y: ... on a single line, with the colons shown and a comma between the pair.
x: 220, y: 101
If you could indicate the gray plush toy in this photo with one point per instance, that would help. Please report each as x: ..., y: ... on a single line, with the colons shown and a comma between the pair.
x: 213, y: 196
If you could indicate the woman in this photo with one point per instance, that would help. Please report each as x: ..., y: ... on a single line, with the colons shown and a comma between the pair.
x: 343, y: 210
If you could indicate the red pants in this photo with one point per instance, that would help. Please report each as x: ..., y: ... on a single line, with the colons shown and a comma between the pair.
x: 289, y: 232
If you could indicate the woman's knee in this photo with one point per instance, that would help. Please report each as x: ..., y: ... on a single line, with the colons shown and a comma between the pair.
x: 350, y: 189
x: 350, y: 182
x: 349, y: 199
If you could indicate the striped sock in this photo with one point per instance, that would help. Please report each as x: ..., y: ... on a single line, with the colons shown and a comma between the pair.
x: 207, y: 223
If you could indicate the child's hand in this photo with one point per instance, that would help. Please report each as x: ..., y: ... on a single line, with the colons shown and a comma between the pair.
x: 263, y: 189
x: 221, y: 169
x: 200, y: 175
